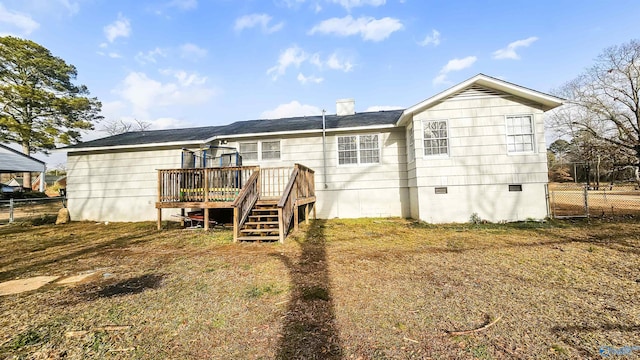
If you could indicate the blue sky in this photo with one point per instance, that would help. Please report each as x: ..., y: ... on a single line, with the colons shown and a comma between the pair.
x: 183, y: 63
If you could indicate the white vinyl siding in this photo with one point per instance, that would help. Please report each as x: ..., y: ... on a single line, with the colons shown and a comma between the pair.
x: 249, y: 150
x: 520, y: 134
x: 436, y: 137
x: 410, y: 144
x: 359, y: 149
x: 271, y: 150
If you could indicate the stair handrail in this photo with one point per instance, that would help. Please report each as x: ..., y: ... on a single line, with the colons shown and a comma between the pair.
x: 244, y: 202
x: 287, y: 204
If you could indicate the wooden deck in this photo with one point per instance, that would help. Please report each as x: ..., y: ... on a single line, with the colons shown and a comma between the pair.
x: 241, y: 188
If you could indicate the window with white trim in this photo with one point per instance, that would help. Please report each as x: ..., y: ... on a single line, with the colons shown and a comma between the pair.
x: 271, y: 150
x: 369, y: 149
x: 436, y: 137
x: 359, y: 149
x: 249, y: 150
x: 519, y: 133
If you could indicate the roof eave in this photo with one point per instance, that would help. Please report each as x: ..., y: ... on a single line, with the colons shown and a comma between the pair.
x: 547, y: 101
x: 136, y: 146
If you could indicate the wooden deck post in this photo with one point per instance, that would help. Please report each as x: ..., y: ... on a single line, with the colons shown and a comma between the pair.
x: 296, y: 217
x: 159, y: 219
x: 314, y: 211
x: 281, y: 225
x: 206, y: 219
x: 306, y: 213
x: 235, y: 224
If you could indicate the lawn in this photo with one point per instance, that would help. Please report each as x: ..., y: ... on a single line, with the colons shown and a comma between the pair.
x: 338, y: 289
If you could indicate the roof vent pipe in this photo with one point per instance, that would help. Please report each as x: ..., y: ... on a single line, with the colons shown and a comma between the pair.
x: 345, y: 107
x: 324, y: 148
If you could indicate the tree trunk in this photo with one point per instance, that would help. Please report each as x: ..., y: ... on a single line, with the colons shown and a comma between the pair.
x: 26, y: 177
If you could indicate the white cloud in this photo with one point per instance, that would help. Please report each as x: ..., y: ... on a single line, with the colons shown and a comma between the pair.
x: 119, y: 110
x: 510, y: 51
x: 21, y: 21
x: 185, y: 78
x: 119, y: 28
x: 144, y: 93
x: 261, y: 20
x: 383, y: 108
x: 192, y: 51
x: 167, y: 123
x: 311, y: 78
x: 114, y: 55
x: 335, y: 63
x: 368, y: 28
x: 453, y: 65
x: 293, y: 56
x: 350, y: 4
x: 291, y: 109
x: 433, y: 39
x: 150, y: 56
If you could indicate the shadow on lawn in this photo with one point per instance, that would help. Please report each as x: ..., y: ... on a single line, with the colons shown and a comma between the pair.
x: 309, y: 330
x: 69, y: 250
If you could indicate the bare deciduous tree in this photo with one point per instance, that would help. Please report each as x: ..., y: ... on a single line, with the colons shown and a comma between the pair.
x: 605, y: 100
x: 115, y: 127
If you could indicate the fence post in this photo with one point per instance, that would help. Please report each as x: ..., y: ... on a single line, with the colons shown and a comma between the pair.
x: 10, y: 210
x: 586, y: 200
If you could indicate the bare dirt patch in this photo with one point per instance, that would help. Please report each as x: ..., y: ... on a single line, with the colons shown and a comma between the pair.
x: 22, y: 285
x: 369, y: 289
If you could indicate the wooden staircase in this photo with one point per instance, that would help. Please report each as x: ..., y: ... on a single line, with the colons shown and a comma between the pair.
x: 262, y: 223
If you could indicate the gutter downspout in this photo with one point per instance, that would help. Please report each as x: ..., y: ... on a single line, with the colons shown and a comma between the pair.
x: 324, y: 149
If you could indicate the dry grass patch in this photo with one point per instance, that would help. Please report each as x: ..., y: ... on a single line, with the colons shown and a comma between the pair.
x: 369, y: 289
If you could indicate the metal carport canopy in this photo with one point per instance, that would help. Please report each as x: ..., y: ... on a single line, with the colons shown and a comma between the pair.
x: 12, y: 161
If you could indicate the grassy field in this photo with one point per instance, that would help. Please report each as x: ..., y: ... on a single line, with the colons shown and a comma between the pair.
x: 338, y: 289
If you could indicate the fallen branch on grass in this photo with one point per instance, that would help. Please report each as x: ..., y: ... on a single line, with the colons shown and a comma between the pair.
x: 484, y: 327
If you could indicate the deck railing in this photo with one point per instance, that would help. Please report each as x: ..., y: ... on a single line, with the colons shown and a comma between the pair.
x: 244, y: 203
x: 202, y: 185
x: 239, y: 188
x: 273, y: 182
x: 301, y: 185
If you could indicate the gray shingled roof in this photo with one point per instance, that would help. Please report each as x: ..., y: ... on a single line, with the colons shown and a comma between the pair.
x: 200, y: 134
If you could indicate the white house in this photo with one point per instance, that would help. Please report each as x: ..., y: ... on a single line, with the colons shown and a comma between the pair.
x: 477, y: 148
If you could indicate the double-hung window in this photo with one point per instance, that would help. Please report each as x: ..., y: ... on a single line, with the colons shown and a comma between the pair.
x: 260, y: 150
x: 436, y: 137
x: 359, y: 149
x: 271, y: 150
x: 249, y: 150
x: 520, y: 133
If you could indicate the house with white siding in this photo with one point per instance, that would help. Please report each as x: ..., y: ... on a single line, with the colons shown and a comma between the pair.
x: 475, y: 149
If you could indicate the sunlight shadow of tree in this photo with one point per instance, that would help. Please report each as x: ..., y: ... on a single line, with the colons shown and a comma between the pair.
x: 309, y: 330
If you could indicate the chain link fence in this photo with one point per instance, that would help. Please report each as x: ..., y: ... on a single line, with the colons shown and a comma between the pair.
x: 580, y: 200
x: 21, y: 210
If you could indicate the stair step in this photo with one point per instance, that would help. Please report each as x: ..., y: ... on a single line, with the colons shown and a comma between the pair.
x: 263, y: 216
x: 261, y: 223
x: 263, y: 209
x: 258, y: 238
x: 259, y: 230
